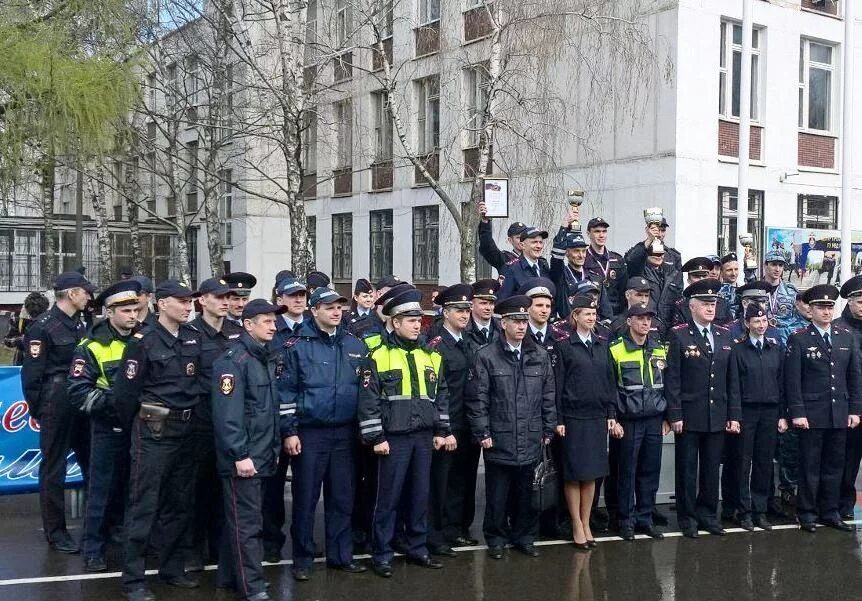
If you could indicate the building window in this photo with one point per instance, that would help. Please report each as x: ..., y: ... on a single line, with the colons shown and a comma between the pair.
x: 309, y: 141
x: 730, y: 70
x: 381, y: 244
x: 817, y: 212
x: 150, y: 167
x: 151, y: 91
x: 192, y: 249
x: 727, y: 213
x: 193, y: 80
x: 225, y: 206
x: 426, y: 242
x: 311, y: 232
x: 171, y: 86
x: 344, y: 133
x: 342, y: 246
x: 191, y: 205
x: 342, y: 22
x: 225, y: 117
x: 428, y: 114
x: 816, y: 81
x: 311, y: 32
x: 119, y: 184
x: 476, y: 82
x: 385, y: 17
x: 429, y: 11
x: 382, y: 127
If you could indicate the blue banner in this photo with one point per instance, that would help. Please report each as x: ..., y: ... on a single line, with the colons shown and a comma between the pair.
x: 19, y: 440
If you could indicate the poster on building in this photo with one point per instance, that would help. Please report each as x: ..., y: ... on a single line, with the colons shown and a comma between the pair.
x: 813, y: 256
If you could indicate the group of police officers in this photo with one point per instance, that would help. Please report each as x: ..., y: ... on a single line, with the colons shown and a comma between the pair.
x: 185, y: 429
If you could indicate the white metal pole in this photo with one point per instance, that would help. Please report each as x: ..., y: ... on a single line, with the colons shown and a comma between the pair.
x: 744, y: 135
x: 846, y: 141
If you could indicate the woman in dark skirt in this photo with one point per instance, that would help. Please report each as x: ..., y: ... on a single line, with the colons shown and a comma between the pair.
x: 585, y: 416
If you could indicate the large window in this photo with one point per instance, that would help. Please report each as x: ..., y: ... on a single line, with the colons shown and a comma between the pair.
x: 428, y: 114
x: 311, y: 229
x: 193, y: 80
x: 476, y: 95
x: 225, y: 206
x: 385, y: 13
x: 816, y: 85
x: 730, y: 70
x: 727, y: 213
x: 342, y: 22
x: 426, y: 243
x: 382, y: 127
x: 344, y: 133
x: 342, y: 246
x: 311, y: 32
x: 381, y: 244
x: 817, y: 212
x: 309, y: 141
x: 429, y: 11
x: 152, y: 188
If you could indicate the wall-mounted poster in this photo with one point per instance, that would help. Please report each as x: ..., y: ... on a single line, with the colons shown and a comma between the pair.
x: 813, y: 256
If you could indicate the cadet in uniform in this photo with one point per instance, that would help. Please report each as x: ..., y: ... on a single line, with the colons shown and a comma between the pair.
x: 781, y: 294
x: 698, y: 408
x: 217, y: 334
x: 636, y: 256
x: 512, y: 414
x: 568, y: 271
x: 531, y: 264
x: 243, y: 398
x: 156, y: 394
x: 607, y: 266
x: 851, y: 318
x: 488, y: 248
x: 317, y: 279
x: 361, y: 306
x: 752, y: 293
x: 320, y: 387
x: 637, y: 293
x: 146, y: 317
x: 698, y: 269
x: 483, y: 327
x: 756, y: 384
x: 453, y: 474
x: 240, y: 284
x: 823, y: 384
x: 94, y: 367
x: 403, y: 413
x: 48, y: 347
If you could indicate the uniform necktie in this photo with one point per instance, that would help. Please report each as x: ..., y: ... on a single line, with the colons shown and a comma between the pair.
x: 706, y: 339
x: 759, y: 345
x: 485, y: 334
x: 826, y: 340
x: 517, y: 355
x: 536, y: 271
x: 539, y: 337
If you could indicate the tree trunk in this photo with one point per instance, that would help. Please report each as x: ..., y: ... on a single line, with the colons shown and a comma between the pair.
x: 210, y: 206
x: 49, y: 260
x: 183, y: 258
x: 96, y: 190
x: 129, y: 193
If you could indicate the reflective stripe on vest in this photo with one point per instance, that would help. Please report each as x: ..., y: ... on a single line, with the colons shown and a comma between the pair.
x: 394, y: 358
x: 107, y: 356
x: 621, y: 355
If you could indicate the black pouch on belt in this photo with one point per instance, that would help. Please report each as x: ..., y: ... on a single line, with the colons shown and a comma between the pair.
x: 154, y: 416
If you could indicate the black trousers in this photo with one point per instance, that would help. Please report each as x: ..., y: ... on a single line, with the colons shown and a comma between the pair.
x: 205, y: 532
x: 366, y: 494
x: 852, y: 457
x: 639, y: 454
x: 501, y: 482
x: 160, y: 489
x: 698, y: 462
x: 821, y: 464
x: 106, y: 487
x: 731, y: 476
x: 273, y: 506
x: 61, y: 428
x: 241, y: 550
x: 757, y: 440
x: 452, y: 505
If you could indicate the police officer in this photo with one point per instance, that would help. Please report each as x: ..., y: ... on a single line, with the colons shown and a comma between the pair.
x: 240, y: 284
x: 781, y: 294
x: 453, y: 474
x: 94, y: 367
x: 568, y: 270
x: 217, y: 334
x: 728, y: 274
x: 851, y: 318
x: 243, y: 398
x: 321, y: 387
x: 823, y: 384
x: 361, y: 307
x: 483, y: 327
x: 748, y: 294
x: 639, y: 362
x: 317, y: 279
x: 607, y: 264
x: 531, y: 263
x: 698, y: 269
x: 49, y: 344
x: 146, y: 317
x: 512, y: 380
x: 665, y: 281
x: 638, y: 292
x: 375, y: 323
x: 636, y: 256
x: 488, y: 248
x: 698, y: 408
x: 156, y: 394
x: 403, y: 413
x: 756, y: 384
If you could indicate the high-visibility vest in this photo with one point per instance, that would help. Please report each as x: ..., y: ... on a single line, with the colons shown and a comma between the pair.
x: 394, y: 358
x: 108, y: 357
x: 647, y: 375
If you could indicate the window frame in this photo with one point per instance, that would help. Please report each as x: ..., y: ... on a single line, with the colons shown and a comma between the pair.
x: 426, y: 248
x: 727, y: 235
x: 225, y: 207
x: 425, y: 15
x: 309, y: 141
x: 381, y: 239
x: 808, y: 221
x: 427, y: 103
x: 383, y: 127
x: 343, y: 134
x: 343, y: 22
x: 728, y: 49
x: 477, y: 84
x: 804, y: 86
x: 342, y: 247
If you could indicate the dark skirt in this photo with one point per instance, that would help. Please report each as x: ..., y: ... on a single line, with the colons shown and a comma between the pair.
x: 585, y: 449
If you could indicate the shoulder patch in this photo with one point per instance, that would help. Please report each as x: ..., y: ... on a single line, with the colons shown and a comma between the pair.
x: 77, y: 368
x: 138, y: 335
x: 226, y: 384
x: 35, y: 348
x: 721, y: 328
x: 800, y: 330
x: 290, y: 342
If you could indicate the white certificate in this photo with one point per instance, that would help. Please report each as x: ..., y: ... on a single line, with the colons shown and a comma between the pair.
x: 496, y: 197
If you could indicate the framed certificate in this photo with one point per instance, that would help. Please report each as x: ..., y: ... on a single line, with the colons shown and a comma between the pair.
x: 496, y: 197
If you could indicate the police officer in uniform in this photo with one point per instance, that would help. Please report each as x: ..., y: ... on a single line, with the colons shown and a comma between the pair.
x: 483, y: 327
x: 243, y: 398
x: 781, y: 294
x: 317, y: 279
x: 217, y: 334
x: 403, y: 413
x: 665, y: 281
x: 488, y: 250
x: 375, y: 323
x: 321, y: 387
x: 608, y: 265
x: 453, y: 474
x: 146, y: 316
x: 531, y: 263
x: 240, y: 284
x: 636, y: 256
x: 698, y: 269
x: 752, y: 293
x: 729, y: 273
x: 637, y: 293
x: 823, y: 384
x: 568, y: 271
x: 361, y: 307
x: 156, y: 394
x: 698, y: 408
x: 94, y: 367
x: 851, y: 318
x: 48, y: 347
x: 514, y: 382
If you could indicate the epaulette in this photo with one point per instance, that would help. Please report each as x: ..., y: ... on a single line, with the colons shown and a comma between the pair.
x: 721, y: 328
x: 682, y: 326
x: 792, y: 286
x: 291, y: 341
x: 560, y: 333
x: 434, y: 342
x: 800, y: 330
x: 512, y: 261
x: 739, y: 340
x: 192, y: 326
x: 138, y: 335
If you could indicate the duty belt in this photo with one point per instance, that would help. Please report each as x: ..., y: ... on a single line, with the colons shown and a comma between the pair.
x: 182, y: 415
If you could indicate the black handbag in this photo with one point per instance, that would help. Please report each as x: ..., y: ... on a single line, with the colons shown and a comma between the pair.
x: 546, y: 481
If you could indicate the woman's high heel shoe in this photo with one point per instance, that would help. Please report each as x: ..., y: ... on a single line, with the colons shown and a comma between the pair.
x: 592, y: 544
x: 582, y: 546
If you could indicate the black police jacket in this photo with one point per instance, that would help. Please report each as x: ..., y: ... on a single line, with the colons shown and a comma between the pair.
x: 820, y: 384
x: 696, y: 381
x: 756, y: 376
x: 158, y: 366
x: 513, y: 402
x: 458, y: 357
x: 213, y: 344
x: 636, y: 257
x: 48, y: 347
x: 666, y: 288
x: 610, y: 269
x: 682, y: 312
x: 517, y: 272
x: 245, y: 407
x: 588, y: 388
x: 488, y: 249
x: 474, y: 333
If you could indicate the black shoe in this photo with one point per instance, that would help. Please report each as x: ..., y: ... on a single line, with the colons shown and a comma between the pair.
x: 746, y: 524
x: 848, y: 516
x: 627, y: 533
x: 443, y: 551
x: 350, y: 568
x: 426, y: 561
x: 95, y: 564
x: 182, y: 582
x: 301, y: 574
x: 592, y: 543
x: 529, y: 550
x: 650, y: 531
x: 62, y: 542
x: 837, y: 525
x: 140, y: 594
x: 464, y: 541
x: 807, y: 527
x: 582, y: 546
x: 400, y: 547
x: 715, y: 530
x: 658, y: 518
x: 384, y: 570
x: 272, y: 556
x: 690, y: 532
x: 194, y: 565
x: 261, y: 596
x: 761, y: 522
x: 495, y: 552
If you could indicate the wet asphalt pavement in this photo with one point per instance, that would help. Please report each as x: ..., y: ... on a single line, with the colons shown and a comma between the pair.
x: 785, y: 564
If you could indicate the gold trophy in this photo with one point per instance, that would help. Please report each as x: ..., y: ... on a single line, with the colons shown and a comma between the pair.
x: 576, y: 199
x: 747, y: 241
x: 653, y: 215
